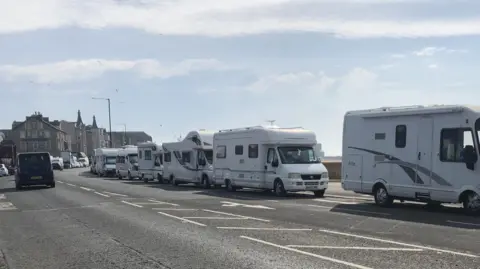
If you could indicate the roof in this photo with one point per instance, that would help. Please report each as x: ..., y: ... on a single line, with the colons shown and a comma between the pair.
x: 38, y: 118
x: 409, y: 110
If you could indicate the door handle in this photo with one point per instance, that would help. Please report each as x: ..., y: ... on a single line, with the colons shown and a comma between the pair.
x: 419, y: 155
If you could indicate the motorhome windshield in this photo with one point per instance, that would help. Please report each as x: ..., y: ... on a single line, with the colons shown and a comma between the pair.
x: 133, y: 158
x: 110, y: 160
x: 297, y: 155
x: 209, y: 155
x: 477, y: 130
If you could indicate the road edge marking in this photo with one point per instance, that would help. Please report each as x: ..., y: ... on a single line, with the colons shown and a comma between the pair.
x: 182, y: 219
x: 132, y: 204
x: 101, y: 194
x: 234, y: 215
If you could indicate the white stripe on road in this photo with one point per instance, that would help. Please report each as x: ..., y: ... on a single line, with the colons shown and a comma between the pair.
x: 182, y: 219
x: 69, y: 184
x: 101, y: 194
x: 358, y: 266
x: 115, y: 194
x: 58, y: 181
x: 264, y: 229
x: 399, y: 243
x: 132, y: 204
x: 349, y: 197
x: 234, y: 215
x: 217, y: 218
x: 358, y: 248
x: 2, y: 196
x: 335, y: 202
x: 175, y: 209
x: 463, y: 223
x: 7, y: 206
x: 339, y: 210
x: 160, y: 202
x: 87, y: 189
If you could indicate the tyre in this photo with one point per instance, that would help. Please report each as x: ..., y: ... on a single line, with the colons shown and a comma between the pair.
x: 471, y: 203
x: 130, y: 176
x: 160, y: 178
x: 205, y: 182
x: 279, y: 188
x: 229, y: 186
x: 319, y: 193
x: 52, y: 185
x: 18, y: 187
x: 382, y: 198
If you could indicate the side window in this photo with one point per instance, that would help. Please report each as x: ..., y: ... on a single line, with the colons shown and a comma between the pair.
x: 148, y: 154
x: 270, y: 155
x: 186, y: 156
x: 253, y: 151
x: 158, y: 160
x: 221, y: 152
x: 239, y: 150
x: 167, y: 157
x: 400, y: 136
x: 452, y: 143
x: 140, y: 154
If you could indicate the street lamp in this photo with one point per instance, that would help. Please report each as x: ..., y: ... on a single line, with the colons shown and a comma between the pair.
x: 109, y: 117
x: 124, y: 133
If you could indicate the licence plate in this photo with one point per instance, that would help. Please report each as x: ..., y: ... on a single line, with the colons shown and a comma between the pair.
x: 310, y: 187
x: 37, y: 177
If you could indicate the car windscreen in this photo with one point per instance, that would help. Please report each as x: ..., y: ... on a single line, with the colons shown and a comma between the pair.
x: 34, y: 160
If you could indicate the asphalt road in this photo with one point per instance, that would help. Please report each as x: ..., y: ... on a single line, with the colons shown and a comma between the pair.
x: 90, y: 222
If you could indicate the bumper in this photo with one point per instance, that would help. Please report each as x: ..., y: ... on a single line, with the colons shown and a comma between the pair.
x: 28, y: 181
x: 305, y: 185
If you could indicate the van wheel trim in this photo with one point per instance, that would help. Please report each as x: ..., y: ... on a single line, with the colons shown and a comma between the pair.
x: 472, y: 203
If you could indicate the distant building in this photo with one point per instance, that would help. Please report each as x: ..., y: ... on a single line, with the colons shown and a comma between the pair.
x: 96, y: 137
x: 77, y: 131
x: 38, y: 133
x: 129, y: 138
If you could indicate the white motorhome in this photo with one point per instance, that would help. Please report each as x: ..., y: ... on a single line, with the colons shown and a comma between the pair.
x: 422, y: 153
x: 269, y: 157
x: 105, y: 161
x: 150, y: 161
x: 190, y: 160
x: 127, y: 162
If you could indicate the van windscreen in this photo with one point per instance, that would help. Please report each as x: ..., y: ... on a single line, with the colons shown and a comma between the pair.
x: 34, y: 159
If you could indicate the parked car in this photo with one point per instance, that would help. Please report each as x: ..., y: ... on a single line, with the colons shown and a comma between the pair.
x: 3, y: 170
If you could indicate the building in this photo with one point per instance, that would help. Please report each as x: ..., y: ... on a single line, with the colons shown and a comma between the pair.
x: 129, y: 138
x: 96, y: 137
x: 77, y: 131
x: 334, y: 166
x: 38, y: 133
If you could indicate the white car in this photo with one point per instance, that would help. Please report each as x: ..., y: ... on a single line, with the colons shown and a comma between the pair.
x: 3, y: 170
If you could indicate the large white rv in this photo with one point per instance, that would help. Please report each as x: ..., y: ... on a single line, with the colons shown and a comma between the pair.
x: 127, y: 162
x: 190, y: 160
x: 271, y: 158
x: 150, y: 161
x: 105, y: 161
x: 422, y: 153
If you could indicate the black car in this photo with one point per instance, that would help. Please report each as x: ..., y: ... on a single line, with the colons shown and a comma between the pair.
x: 34, y: 168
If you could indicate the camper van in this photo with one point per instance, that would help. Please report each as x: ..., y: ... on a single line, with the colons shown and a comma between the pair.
x: 269, y: 157
x: 150, y: 161
x: 105, y: 161
x: 127, y: 162
x: 420, y: 153
x: 190, y: 160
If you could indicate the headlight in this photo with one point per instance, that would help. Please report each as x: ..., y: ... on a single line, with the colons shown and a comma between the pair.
x: 294, y: 175
x: 210, y: 167
x: 325, y: 175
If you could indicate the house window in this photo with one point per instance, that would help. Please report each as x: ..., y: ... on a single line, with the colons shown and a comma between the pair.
x: 167, y: 156
x: 46, y: 134
x: 239, y: 150
x: 148, y: 154
x: 221, y: 152
x: 400, y: 136
x: 253, y: 151
x: 452, y: 143
x: 22, y: 134
x: 140, y: 154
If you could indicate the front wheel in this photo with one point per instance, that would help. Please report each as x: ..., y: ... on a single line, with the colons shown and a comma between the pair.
x: 229, y: 186
x: 160, y: 178
x: 382, y: 198
x: 279, y: 188
x: 206, y: 182
x: 319, y: 193
x: 471, y: 204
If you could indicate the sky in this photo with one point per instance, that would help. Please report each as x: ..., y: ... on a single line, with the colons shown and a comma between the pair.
x: 172, y: 66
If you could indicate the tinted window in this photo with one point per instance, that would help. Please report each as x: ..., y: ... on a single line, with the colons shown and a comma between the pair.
x: 401, y: 136
x: 239, y: 150
x: 253, y: 151
x: 34, y: 159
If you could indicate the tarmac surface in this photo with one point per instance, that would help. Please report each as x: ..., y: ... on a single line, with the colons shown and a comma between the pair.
x: 92, y: 222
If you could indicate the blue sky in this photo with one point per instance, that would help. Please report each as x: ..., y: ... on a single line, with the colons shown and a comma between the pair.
x: 214, y: 64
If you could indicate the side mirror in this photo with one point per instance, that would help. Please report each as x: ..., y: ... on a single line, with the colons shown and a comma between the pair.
x: 275, y: 163
x: 470, y: 157
x: 202, y: 162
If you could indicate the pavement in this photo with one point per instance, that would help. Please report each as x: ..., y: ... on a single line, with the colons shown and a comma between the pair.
x: 91, y: 222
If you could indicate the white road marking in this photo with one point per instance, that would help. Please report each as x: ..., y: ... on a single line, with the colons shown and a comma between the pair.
x: 132, y: 204
x: 351, y: 210
x: 225, y: 203
x: 234, y: 215
x: 219, y: 218
x: 69, y: 184
x: 182, y: 219
x: 2, y: 196
x: 350, y: 197
x: 175, y: 209
x: 400, y: 243
x: 358, y: 248
x: 354, y: 265
x: 463, y: 223
x: 87, y: 189
x: 7, y: 206
x: 335, y: 202
x: 101, y: 194
x: 160, y: 202
x: 58, y: 181
x: 115, y: 194
x: 264, y: 229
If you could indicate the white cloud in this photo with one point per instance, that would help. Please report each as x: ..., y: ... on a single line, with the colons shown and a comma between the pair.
x: 433, y: 66
x: 213, y: 18
x: 79, y: 70
x: 430, y: 51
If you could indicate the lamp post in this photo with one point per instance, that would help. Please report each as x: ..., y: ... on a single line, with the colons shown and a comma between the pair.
x: 124, y: 133
x: 109, y: 117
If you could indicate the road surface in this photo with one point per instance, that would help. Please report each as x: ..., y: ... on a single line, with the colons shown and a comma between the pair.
x: 90, y: 222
